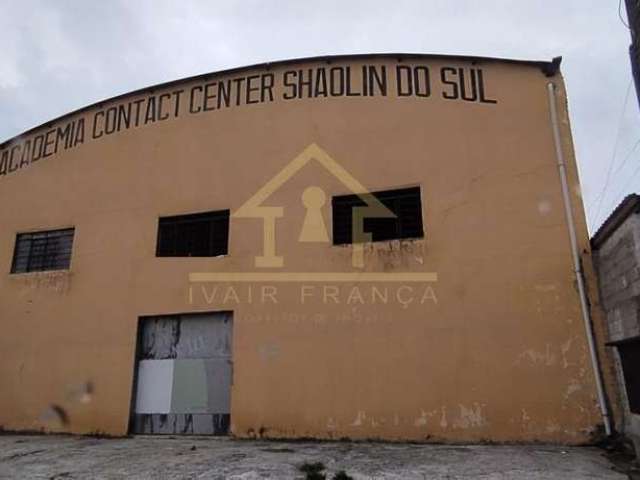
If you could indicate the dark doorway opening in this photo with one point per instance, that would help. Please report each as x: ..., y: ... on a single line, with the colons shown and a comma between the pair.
x: 630, y: 360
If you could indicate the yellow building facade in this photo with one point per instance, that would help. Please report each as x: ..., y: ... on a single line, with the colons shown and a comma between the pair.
x: 356, y: 247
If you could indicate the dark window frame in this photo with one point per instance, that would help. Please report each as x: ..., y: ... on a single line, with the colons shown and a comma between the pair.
x: 198, y: 235
x: 43, y: 250
x: 398, y: 200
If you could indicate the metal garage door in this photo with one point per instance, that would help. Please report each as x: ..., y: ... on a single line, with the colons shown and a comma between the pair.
x: 183, y: 374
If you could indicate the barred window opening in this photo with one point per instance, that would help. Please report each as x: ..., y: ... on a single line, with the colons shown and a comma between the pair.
x: 404, y: 203
x: 194, y: 235
x: 41, y: 251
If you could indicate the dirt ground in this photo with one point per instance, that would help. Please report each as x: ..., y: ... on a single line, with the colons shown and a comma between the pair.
x: 164, y: 458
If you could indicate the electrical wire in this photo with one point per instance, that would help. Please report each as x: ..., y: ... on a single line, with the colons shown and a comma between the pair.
x: 602, y: 195
x: 627, y: 157
x: 626, y: 185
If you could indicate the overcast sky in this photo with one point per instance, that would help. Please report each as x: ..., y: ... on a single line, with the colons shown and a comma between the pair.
x: 56, y: 56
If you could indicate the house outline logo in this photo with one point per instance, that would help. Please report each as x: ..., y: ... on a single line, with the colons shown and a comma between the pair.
x: 313, y: 197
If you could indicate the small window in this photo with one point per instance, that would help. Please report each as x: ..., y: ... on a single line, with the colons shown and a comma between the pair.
x: 195, y: 235
x: 630, y: 360
x: 40, y: 251
x: 404, y: 203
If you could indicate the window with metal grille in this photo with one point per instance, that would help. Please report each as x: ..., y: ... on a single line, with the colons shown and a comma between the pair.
x: 630, y: 360
x: 194, y: 235
x: 40, y: 251
x: 405, y: 203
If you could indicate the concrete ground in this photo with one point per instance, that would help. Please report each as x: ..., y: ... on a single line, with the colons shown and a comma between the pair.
x: 164, y: 458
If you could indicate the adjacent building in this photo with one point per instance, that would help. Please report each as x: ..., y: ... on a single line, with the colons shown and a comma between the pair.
x: 616, y: 248
x: 633, y: 16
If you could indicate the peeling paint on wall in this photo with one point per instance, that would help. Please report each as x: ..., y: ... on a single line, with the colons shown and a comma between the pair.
x: 443, y: 419
x: 359, y: 420
x: 470, y: 417
x: 545, y: 357
x: 56, y: 281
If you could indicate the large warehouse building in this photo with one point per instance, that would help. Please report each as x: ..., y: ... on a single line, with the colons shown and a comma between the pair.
x: 375, y: 246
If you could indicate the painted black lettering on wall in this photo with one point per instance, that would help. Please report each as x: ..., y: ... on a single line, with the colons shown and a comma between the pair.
x: 404, y: 80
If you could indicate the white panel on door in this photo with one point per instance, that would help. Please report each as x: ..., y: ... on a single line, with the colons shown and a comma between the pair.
x: 155, y: 381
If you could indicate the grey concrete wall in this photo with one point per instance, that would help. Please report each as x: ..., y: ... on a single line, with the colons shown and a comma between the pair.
x: 618, y: 265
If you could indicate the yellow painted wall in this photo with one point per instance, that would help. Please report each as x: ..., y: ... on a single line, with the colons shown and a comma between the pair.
x: 501, y: 355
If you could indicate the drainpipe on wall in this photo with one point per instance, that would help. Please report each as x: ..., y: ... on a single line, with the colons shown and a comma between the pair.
x: 577, y: 266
